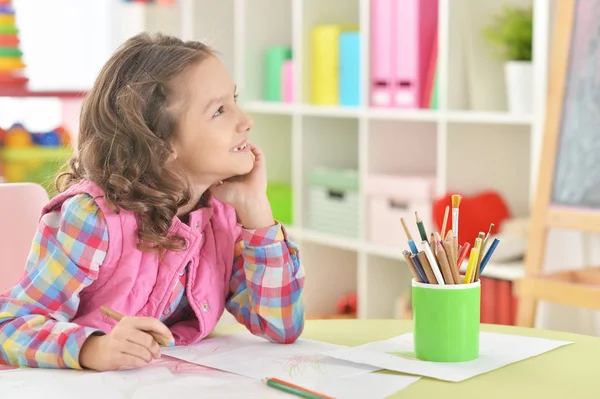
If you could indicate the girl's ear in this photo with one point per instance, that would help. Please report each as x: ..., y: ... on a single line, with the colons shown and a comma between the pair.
x: 173, y: 156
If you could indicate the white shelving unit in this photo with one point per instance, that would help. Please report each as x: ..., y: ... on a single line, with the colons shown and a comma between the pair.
x: 468, y: 147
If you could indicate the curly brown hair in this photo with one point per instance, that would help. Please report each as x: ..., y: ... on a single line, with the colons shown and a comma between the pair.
x: 127, y: 124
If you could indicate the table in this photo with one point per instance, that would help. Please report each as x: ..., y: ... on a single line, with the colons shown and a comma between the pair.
x: 571, y: 371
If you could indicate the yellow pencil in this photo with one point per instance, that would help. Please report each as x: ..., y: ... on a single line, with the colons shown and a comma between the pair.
x: 473, y: 256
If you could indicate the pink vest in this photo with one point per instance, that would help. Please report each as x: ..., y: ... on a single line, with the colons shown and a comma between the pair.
x: 137, y: 283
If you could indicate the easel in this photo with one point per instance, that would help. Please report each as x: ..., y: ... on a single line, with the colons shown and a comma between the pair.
x: 579, y: 288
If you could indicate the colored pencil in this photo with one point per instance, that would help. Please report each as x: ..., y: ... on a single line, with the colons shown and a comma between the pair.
x: 411, y: 243
x: 419, y: 268
x: 427, y: 268
x: 421, y: 227
x: 463, y: 254
x: 447, y: 248
x: 488, y: 254
x: 444, y: 265
x: 471, y: 267
x: 294, y: 389
x: 489, y: 233
x: 411, y: 266
x: 445, y: 221
x: 116, y: 316
x: 432, y: 262
x: 450, y: 248
x: 481, y: 236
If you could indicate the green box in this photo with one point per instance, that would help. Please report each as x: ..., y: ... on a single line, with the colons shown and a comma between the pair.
x: 446, y: 321
x: 281, y: 199
x: 38, y: 165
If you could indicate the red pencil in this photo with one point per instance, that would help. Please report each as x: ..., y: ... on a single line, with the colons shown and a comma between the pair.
x: 463, y: 254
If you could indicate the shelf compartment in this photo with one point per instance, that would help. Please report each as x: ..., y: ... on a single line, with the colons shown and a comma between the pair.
x: 323, y: 266
x: 476, y: 75
x: 330, y: 143
x: 387, y: 281
x: 273, y: 134
x: 266, y: 35
x: 315, y: 13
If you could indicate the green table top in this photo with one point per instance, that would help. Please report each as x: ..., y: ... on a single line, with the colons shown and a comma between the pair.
x: 571, y: 371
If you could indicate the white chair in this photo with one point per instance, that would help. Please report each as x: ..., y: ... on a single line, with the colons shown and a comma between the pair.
x: 20, y: 208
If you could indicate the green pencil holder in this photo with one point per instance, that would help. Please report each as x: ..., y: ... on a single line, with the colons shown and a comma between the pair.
x: 446, y: 321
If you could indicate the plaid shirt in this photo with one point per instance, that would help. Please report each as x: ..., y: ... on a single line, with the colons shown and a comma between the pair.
x: 35, y: 327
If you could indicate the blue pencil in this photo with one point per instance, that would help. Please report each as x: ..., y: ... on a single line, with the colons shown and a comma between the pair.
x: 419, y: 268
x: 411, y: 243
x: 488, y: 254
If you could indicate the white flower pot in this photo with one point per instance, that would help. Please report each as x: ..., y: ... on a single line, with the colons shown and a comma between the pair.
x: 519, y: 86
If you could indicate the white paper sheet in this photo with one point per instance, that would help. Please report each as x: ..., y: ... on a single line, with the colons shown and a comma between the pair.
x: 72, y: 384
x: 215, y: 385
x: 301, y: 362
x: 226, y: 385
x: 495, y: 351
x: 372, y: 386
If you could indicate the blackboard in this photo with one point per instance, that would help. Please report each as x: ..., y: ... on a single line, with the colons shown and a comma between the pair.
x: 577, y: 167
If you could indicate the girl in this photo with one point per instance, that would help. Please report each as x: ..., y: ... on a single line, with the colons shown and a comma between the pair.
x: 149, y: 223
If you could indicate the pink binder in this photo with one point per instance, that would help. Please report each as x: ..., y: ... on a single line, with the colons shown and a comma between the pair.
x: 414, y: 30
x: 287, y: 81
x: 381, y: 53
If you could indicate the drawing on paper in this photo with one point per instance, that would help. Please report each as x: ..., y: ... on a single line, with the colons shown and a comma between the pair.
x: 301, y: 365
x: 405, y: 354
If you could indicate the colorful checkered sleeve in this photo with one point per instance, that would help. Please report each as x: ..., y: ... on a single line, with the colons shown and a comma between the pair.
x: 266, y: 285
x: 67, y: 251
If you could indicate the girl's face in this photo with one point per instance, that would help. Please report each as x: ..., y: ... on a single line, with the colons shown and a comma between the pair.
x: 211, y: 142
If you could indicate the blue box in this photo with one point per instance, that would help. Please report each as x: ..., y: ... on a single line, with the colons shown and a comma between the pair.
x: 349, y: 69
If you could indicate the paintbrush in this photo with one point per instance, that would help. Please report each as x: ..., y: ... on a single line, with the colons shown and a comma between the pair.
x: 455, y: 205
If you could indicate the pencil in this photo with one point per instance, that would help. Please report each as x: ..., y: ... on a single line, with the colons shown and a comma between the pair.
x: 411, y: 266
x: 445, y: 221
x: 447, y: 247
x: 427, y: 268
x: 481, y: 249
x: 463, y: 255
x: 471, y: 267
x: 419, y: 268
x: 455, y: 205
x: 489, y: 233
x: 411, y: 243
x: 421, y: 227
x: 117, y: 317
x: 489, y: 254
x: 432, y: 262
x: 294, y: 389
x: 444, y: 266
x: 432, y: 245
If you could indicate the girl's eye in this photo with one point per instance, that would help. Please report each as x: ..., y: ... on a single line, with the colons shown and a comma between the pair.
x: 219, y: 111
x: 235, y: 97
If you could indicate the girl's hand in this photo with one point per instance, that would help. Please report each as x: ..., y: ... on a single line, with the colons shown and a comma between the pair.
x: 248, y: 194
x: 128, y: 345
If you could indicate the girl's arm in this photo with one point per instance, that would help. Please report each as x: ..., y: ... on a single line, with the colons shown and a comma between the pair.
x: 266, y: 284
x: 68, y: 249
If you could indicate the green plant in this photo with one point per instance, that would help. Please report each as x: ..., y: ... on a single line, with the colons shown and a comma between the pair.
x: 511, y: 33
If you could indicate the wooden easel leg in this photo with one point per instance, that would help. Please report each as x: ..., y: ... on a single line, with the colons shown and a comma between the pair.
x: 526, y: 312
